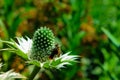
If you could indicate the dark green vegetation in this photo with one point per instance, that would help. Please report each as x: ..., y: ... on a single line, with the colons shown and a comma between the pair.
x: 89, y: 28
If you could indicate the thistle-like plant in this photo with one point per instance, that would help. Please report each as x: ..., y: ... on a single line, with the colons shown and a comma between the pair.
x: 37, y: 51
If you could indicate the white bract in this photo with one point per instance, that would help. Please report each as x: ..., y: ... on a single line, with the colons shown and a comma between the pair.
x: 67, y: 57
x: 10, y: 75
x: 24, y: 44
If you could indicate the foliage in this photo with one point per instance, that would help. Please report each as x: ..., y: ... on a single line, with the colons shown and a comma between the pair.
x: 89, y: 28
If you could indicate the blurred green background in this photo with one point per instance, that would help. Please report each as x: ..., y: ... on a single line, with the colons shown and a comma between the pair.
x: 89, y: 28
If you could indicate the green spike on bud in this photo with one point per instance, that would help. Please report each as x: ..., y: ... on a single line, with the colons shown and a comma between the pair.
x: 43, y: 43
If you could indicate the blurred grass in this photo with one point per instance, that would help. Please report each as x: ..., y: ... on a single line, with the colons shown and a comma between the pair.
x: 89, y: 28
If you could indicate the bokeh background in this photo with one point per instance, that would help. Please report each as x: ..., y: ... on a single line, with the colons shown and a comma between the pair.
x: 88, y: 28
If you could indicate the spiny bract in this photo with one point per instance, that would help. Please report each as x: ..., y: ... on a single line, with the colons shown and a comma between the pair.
x: 43, y: 43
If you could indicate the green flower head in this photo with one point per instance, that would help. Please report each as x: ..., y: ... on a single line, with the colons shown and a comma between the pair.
x: 43, y: 43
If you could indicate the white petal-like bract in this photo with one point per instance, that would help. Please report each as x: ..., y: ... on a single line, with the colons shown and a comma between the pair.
x: 24, y: 44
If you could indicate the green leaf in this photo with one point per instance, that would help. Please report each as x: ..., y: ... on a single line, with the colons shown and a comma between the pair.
x: 111, y: 37
x: 3, y: 29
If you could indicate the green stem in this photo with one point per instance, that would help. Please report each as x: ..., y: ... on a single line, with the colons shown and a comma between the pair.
x: 34, y: 72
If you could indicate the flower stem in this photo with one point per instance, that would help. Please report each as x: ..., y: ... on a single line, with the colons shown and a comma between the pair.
x: 34, y: 73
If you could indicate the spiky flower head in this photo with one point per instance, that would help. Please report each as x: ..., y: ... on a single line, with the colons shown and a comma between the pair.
x: 43, y: 43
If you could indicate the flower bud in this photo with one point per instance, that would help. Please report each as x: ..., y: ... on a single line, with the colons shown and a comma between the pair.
x: 43, y: 43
